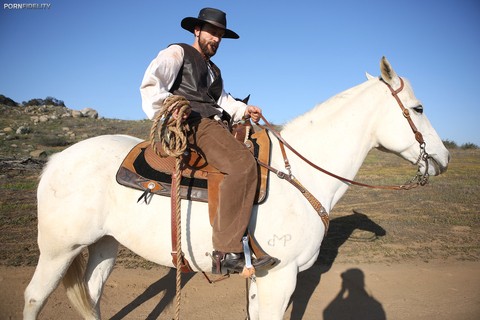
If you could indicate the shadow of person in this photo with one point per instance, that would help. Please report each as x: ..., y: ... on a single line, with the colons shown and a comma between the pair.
x: 353, y: 301
x: 340, y: 230
x: 166, y: 283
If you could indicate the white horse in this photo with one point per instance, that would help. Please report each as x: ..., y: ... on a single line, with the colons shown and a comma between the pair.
x: 80, y: 204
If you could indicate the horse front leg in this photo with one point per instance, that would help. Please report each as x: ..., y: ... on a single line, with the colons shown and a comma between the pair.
x: 271, y: 292
x: 252, y: 300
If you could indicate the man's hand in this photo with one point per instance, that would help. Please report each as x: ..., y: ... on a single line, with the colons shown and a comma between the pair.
x: 174, y: 104
x: 254, y: 113
x: 185, y: 114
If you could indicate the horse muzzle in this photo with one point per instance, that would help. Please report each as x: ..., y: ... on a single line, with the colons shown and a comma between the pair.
x: 436, y: 165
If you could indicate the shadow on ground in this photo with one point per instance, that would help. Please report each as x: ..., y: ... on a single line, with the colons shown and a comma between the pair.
x: 351, y: 301
x: 345, y: 306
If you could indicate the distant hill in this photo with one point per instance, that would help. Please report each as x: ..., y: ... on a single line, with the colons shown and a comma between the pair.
x: 40, y: 130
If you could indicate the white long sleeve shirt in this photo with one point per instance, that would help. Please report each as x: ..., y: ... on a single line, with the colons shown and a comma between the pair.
x: 160, y: 77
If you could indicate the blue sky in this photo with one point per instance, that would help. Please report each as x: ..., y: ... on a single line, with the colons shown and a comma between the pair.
x: 290, y: 55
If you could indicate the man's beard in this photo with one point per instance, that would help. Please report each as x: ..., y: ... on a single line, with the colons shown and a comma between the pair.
x: 209, y: 48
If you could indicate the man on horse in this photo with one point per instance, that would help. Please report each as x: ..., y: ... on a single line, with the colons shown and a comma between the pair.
x: 187, y: 70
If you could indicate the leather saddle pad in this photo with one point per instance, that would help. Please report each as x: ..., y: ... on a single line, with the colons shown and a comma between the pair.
x: 143, y: 169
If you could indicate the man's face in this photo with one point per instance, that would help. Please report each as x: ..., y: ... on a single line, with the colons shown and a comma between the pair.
x: 209, y: 38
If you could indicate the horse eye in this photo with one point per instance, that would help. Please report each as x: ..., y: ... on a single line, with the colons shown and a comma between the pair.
x: 418, y: 109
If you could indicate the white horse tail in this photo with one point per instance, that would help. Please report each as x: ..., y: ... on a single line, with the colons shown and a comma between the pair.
x: 77, y: 291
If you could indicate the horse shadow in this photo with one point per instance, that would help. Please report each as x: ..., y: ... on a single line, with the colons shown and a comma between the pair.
x: 164, y: 284
x: 340, y: 230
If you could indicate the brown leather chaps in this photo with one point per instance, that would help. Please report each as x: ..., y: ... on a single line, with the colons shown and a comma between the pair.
x: 217, y: 145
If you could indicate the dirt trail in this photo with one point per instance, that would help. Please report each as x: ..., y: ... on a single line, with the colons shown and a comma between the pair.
x: 413, y: 290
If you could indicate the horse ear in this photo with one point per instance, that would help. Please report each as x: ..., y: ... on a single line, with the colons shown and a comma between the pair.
x: 388, y: 74
x: 369, y: 76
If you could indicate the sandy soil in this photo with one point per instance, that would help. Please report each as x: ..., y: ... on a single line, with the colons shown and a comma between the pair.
x: 434, y: 290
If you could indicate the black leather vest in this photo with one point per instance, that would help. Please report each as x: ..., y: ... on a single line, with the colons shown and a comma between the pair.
x: 192, y: 82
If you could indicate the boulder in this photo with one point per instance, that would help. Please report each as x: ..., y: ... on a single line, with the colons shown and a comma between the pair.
x: 77, y: 114
x: 39, y: 154
x: 23, y: 130
x: 43, y: 118
x: 90, y: 113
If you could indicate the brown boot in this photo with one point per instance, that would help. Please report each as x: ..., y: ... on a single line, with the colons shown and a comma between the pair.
x: 227, y: 262
x: 235, y: 262
x: 264, y: 263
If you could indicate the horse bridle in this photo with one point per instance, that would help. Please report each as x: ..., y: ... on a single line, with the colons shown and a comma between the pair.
x: 420, y: 179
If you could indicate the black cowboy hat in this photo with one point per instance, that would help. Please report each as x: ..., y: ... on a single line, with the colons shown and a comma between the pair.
x: 209, y: 15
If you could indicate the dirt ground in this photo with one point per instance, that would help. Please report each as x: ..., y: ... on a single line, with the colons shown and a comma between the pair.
x: 414, y: 290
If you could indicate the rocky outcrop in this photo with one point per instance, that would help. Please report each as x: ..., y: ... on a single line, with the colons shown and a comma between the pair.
x: 41, y: 114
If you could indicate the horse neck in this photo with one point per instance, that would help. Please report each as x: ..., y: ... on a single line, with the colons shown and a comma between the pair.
x: 337, y: 136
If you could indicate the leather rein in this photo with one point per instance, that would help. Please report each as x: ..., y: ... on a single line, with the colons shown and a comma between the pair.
x: 418, y: 180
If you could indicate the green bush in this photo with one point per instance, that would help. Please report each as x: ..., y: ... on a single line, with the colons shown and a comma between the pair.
x: 450, y: 144
x: 50, y: 101
x: 53, y: 141
x: 7, y: 101
x: 469, y: 145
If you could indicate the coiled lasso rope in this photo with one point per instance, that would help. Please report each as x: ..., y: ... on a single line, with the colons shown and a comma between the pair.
x: 171, y: 132
x: 172, y: 136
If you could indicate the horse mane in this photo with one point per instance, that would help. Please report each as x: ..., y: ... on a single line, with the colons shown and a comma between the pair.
x: 329, y: 106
